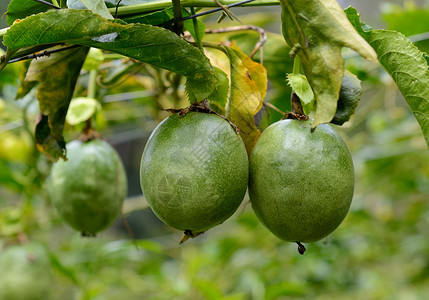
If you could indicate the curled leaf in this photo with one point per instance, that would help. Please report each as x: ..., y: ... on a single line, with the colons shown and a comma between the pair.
x: 317, y: 30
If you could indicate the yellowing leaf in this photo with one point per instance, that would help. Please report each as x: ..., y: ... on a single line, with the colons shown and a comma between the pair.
x: 317, y: 30
x: 248, y: 87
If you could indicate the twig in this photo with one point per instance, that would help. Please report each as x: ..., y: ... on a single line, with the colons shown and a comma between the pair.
x: 268, y: 104
x: 116, y: 10
x: 177, y: 11
x: 162, y: 4
x: 44, y: 53
x: 214, y: 10
x: 227, y: 12
x: 258, y: 46
x: 197, y: 32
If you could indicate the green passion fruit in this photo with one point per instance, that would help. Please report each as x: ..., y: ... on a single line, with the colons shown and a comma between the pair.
x: 88, y: 189
x: 194, y: 171
x: 25, y: 273
x: 301, y: 182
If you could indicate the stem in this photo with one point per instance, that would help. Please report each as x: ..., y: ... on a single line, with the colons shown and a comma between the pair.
x: 92, y: 84
x: 158, y: 5
x: 214, y: 46
x: 4, y: 59
x: 177, y: 11
x: 197, y: 32
x: 296, y: 65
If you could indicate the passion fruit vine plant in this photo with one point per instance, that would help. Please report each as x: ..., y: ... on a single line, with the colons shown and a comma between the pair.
x: 301, y: 173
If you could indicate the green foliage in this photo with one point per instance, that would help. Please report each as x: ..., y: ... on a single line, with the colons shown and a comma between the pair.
x: 317, y: 32
x: 405, y: 63
x: 19, y: 9
x: 379, y: 251
x: 142, y: 42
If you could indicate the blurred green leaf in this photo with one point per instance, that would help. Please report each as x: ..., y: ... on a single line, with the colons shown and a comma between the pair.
x: 81, y: 109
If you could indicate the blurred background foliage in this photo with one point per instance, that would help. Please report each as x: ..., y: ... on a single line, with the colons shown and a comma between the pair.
x: 381, y: 251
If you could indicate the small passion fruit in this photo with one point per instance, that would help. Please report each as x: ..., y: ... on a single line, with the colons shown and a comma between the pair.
x: 194, y: 171
x: 25, y: 273
x: 88, y: 189
x: 301, y: 182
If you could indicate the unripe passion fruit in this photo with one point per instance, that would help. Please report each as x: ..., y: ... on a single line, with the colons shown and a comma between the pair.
x: 88, y: 189
x: 194, y: 171
x: 25, y: 273
x: 301, y: 183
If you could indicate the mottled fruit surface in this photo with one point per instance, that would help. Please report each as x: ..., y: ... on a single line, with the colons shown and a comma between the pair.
x: 301, y: 183
x: 88, y: 189
x: 25, y: 273
x: 194, y: 171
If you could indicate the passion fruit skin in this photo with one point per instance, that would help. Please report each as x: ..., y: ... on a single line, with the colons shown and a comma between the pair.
x: 194, y: 171
x: 301, y: 182
x: 89, y: 188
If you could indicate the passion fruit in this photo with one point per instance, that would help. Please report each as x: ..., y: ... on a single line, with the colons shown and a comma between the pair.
x: 194, y: 171
x: 25, y: 273
x: 301, y: 182
x: 88, y: 189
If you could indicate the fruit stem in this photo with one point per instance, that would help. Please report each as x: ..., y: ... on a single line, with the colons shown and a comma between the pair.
x: 177, y: 10
x: 92, y: 84
x: 189, y: 234
x: 301, y: 248
x: 297, y: 112
x: 296, y: 65
x: 197, y: 32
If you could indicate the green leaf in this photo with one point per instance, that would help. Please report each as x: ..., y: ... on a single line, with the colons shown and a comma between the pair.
x: 25, y: 86
x: 318, y: 30
x: 219, y: 98
x: 405, y: 63
x: 247, y: 91
x: 81, y: 109
x: 53, y: 148
x: 57, y: 74
x: 153, y: 45
x: 301, y: 87
x: 20, y: 9
x: 164, y: 19
x: 59, y: 26
x: 96, y: 6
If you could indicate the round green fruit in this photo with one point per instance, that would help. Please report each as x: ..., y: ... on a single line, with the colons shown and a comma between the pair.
x: 88, y: 189
x: 349, y: 98
x: 194, y: 171
x: 25, y: 273
x: 301, y: 182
